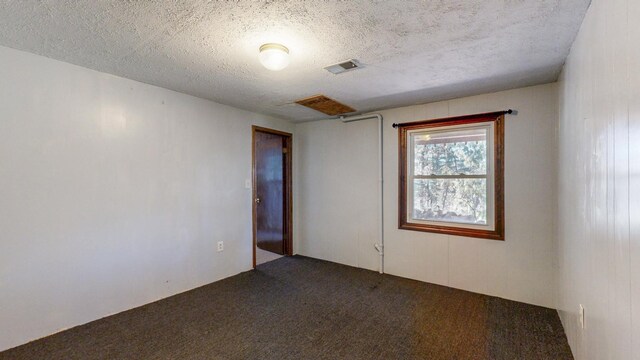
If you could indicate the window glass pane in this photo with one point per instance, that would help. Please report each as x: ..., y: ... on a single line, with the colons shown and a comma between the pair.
x: 450, y: 200
x: 450, y: 153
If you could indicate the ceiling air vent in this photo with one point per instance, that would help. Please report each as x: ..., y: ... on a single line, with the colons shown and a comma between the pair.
x: 325, y: 105
x: 344, y: 66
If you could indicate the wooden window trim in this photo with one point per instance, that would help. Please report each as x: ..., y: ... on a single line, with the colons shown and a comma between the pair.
x: 498, y: 232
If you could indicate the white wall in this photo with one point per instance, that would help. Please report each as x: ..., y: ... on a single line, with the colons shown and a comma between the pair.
x: 337, y: 201
x: 113, y: 194
x: 599, y: 184
x: 337, y: 198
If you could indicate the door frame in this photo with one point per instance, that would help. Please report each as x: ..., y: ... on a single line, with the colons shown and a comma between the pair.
x: 288, y: 188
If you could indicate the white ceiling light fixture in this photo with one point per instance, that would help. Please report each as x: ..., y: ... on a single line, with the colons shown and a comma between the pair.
x: 274, y: 56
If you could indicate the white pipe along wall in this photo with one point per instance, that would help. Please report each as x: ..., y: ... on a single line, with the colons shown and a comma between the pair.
x: 379, y: 247
x: 338, y: 215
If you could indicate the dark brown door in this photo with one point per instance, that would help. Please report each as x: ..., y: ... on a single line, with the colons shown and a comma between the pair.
x: 270, y: 191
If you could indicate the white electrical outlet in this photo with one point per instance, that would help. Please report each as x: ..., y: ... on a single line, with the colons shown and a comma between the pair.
x: 220, y: 246
x: 247, y: 183
x: 581, y: 316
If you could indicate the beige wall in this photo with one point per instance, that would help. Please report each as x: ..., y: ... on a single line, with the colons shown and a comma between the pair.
x: 113, y: 194
x: 337, y: 200
x: 599, y: 186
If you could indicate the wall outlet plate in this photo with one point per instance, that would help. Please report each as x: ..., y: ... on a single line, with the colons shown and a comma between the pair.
x: 220, y: 246
x: 581, y: 316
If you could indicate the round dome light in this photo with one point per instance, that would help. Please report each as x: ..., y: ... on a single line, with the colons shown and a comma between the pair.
x: 274, y: 56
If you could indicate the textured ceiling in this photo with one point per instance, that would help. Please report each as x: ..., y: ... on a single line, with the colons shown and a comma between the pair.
x: 412, y: 51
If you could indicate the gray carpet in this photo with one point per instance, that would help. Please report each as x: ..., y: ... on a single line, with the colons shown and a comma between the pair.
x: 302, y: 308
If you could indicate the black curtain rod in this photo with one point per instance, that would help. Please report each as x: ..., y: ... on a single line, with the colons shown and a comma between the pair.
x: 395, y: 125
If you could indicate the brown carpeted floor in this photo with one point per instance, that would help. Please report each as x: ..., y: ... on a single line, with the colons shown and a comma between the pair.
x: 302, y: 308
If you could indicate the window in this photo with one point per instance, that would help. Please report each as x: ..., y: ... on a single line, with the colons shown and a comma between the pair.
x: 451, y: 176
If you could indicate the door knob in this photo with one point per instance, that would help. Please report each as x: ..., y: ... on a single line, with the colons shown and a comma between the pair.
x: 257, y: 200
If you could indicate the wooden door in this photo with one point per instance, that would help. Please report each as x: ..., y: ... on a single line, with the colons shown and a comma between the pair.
x: 271, y: 190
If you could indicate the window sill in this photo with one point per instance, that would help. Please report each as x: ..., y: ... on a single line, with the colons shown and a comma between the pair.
x: 449, y: 230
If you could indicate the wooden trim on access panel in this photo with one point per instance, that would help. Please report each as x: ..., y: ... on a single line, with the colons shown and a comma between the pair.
x: 288, y: 242
x: 498, y: 233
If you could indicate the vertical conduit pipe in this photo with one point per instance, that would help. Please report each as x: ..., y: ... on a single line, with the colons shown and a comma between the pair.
x: 380, y: 245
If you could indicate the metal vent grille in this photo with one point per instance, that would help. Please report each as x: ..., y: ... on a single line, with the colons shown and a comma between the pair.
x: 344, y: 66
